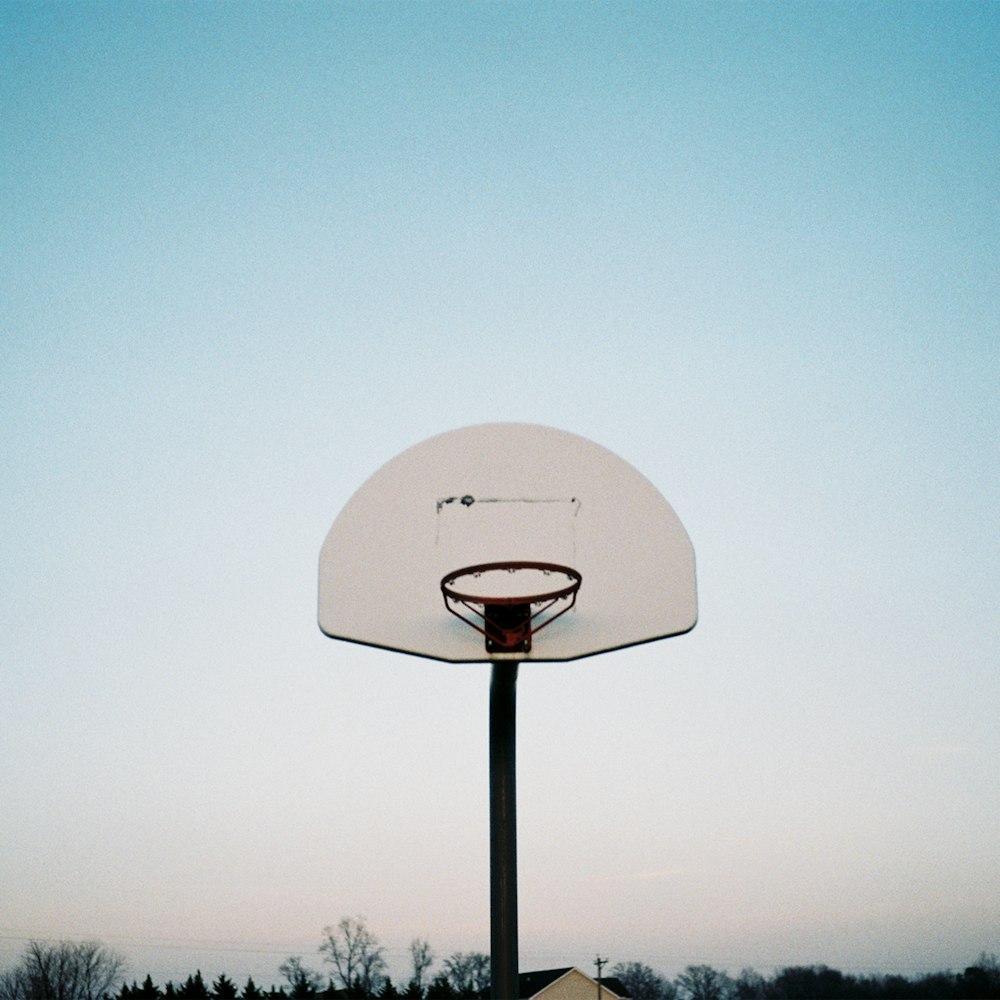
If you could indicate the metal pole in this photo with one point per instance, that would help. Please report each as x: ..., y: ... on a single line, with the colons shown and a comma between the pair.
x: 503, y: 832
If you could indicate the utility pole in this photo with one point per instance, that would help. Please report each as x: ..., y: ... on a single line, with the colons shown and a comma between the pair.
x: 600, y: 963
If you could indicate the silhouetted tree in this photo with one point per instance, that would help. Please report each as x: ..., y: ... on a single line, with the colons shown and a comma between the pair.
x: 702, y: 982
x: 302, y: 982
x: 982, y: 980
x: 356, y: 956
x: 193, y: 988
x: 894, y: 988
x: 224, y: 988
x: 750, y: 985
x: 440, y: 989
x: 468, y: 973
x: 937, y: 986
x: 388, y: 991
x: 642, y: 983
x: 422, y: 958
x: 812, y: 982
x: 250, y: 991
x: 148, y: 990
x: 66, y: 970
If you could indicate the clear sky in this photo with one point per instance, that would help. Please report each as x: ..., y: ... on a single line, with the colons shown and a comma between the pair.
x: 250, y: 252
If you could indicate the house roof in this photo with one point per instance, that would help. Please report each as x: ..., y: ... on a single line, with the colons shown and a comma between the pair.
x: 530, y: 984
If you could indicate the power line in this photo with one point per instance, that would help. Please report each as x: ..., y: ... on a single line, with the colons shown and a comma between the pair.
x: 286, y: 949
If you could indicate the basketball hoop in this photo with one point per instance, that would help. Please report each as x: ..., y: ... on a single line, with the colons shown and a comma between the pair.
x: 508, y: 612
x: 562, y: 499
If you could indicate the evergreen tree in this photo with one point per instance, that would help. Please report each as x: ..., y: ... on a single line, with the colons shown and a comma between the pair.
x: 250, y: 991
x: 440, y: 988
x: 388, y: 992
x: 303, y: 983
x: 193, y: 988
x: 147, y: 991
x: 468, y: 973
x: 223, y: 988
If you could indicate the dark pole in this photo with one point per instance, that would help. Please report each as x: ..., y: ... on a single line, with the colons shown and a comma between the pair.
x: 600, y: 963
x: 503, y: 832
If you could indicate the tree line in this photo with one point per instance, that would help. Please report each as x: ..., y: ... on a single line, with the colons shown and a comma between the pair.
x: 980, y: 981
x: 89, y: 971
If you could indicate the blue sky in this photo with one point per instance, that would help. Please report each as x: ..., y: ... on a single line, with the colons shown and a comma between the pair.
x: 251, y: 252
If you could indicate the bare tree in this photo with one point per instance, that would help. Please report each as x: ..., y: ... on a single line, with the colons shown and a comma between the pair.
x: 65, y: 970
x: 372, y: 969
x: 468, y: 973
x: 302, y: 981
x: 642, y: 983
x: 356, y: 956
x: 13, y: 985
x: 423, y: 959
x: 702, y: 982
x: 750, y: 985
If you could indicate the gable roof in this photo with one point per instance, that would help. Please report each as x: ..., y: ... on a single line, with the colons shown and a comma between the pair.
x: 530, y: 984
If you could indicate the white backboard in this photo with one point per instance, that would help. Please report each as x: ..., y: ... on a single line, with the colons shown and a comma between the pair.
x: 505, y: 492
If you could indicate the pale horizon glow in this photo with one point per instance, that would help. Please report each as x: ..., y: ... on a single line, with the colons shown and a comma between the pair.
x: 252, y: 253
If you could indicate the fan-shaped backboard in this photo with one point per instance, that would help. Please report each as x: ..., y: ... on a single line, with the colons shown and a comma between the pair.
x: 506, y: 492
